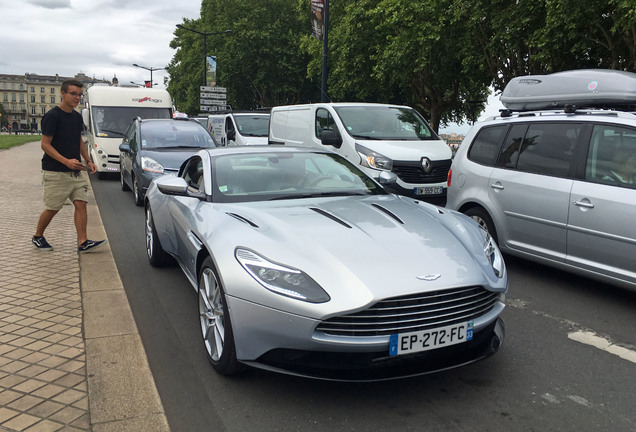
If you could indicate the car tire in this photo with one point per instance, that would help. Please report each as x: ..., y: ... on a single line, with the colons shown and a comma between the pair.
x: 156, y: 255
x: 214, y: 319
x: 484, y: 220
x: 124, y: 185
x: 138, y: 192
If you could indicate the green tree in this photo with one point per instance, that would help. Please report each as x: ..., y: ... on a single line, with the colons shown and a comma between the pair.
x: 260, y: 62
x: 417, y: 53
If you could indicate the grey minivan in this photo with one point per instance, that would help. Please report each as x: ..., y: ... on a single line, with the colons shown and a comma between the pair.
x: 555, y: 186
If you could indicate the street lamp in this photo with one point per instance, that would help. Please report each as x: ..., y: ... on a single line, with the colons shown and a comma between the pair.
x: 150, y: 69
x: 205, y: 47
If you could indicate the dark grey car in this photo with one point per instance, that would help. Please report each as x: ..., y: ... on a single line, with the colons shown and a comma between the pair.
x: 155, y: 147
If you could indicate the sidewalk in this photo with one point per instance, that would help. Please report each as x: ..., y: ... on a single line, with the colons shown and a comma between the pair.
x: 71, y: 358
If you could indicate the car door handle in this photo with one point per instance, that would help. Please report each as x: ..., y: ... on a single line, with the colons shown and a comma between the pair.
x: 584, y: 204
x: 497, y: 186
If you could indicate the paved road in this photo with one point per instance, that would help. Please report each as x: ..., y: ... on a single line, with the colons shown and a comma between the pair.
x: 544, y: 378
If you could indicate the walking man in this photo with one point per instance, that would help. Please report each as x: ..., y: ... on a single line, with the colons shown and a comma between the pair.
x: 61, y: 167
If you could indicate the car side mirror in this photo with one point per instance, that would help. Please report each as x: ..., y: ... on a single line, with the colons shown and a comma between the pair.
x: 231, y: 135
x: 387, y: 178
x: 330, y: 137
x: 172, y: 185
x: 124, y: 147
x: 86, y: 117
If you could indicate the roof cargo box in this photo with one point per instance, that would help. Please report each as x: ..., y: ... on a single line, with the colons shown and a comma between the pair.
x: 585, y: 88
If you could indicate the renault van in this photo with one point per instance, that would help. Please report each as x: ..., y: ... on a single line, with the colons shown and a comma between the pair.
x: 377, y: 137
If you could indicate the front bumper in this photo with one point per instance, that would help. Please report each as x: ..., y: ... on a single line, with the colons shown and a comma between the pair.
x: 286, y: 343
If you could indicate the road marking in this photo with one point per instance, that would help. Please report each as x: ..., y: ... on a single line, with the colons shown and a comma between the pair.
x: 592, y: 339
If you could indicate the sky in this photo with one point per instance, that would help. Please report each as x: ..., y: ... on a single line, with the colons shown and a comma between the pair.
x: 103, y: 38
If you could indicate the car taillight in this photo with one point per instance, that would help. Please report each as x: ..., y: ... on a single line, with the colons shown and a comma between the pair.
x: 448, y: 178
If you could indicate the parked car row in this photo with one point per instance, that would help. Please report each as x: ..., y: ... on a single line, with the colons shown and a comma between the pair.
x: 306, y: 262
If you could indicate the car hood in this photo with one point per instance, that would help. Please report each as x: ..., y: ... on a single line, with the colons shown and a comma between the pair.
x: 409, y: 150
x: 362, y: 249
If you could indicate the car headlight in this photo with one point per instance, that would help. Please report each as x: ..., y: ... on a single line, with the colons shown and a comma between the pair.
x: 493, y: 254
x: 372, y: 159
x: 151, y: 165
x: 281, y: 279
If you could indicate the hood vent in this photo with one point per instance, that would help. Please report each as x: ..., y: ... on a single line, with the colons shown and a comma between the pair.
x: 242, y: 219
x: 388, y: 213
x: 330, y: 216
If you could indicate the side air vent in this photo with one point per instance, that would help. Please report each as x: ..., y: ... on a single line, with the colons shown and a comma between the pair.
x: 388, y: 213
x: 330, y: 216
x: 242, y: 219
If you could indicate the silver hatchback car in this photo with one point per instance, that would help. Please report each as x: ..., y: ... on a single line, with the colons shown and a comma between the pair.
x: 556, y: 186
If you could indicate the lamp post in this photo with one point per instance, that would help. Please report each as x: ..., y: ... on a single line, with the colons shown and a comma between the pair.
x: 205, y: 47
x: 149, y: 69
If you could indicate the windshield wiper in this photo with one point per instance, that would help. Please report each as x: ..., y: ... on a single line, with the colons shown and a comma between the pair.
x: 112, y: 131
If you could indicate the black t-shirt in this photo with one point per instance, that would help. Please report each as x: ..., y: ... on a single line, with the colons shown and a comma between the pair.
x: 66, y: 130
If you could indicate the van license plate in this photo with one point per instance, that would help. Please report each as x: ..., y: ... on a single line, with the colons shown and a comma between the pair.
x: 429, y: 190
x: 425, y: 340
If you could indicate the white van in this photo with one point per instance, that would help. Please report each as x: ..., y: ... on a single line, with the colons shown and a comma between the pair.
x: 376, y: 137
x: 239, y: 128
x: 109, y: 110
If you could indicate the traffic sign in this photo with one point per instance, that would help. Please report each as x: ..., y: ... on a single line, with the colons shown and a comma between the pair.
x: 213, y: 89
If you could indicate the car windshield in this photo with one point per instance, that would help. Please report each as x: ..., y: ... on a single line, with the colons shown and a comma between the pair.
x: 284, y: 175
x: 252, y: 125
x: 384, y: 123
x: 174, y: 134
x: 112, y: 122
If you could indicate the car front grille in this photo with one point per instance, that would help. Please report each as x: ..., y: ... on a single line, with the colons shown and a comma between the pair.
x: 413, y: 172
x: 413, y: 313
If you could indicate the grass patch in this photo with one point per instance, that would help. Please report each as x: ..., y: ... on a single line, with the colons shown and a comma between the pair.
x: 8, y: 141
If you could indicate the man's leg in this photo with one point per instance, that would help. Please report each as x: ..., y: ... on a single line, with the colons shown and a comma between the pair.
x: 81, y: 220
x: 44, y: 221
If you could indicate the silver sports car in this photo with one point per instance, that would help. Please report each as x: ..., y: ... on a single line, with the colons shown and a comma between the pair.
x: 305, y: 265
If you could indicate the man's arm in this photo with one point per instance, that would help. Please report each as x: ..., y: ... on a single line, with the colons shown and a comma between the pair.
x: 84, y: 152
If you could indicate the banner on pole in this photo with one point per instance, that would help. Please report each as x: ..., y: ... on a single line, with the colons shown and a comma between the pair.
x: 317, y: 18
x: 211, y: 71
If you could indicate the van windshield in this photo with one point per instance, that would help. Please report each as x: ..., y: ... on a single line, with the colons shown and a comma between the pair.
x: 252, y: 125
x: 112, y: 122
x: 385, y: 123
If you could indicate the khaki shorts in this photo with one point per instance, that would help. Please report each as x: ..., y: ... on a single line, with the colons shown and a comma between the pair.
x: 60, y: 186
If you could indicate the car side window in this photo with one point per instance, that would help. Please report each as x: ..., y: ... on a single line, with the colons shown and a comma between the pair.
x: 193, y: 174
x: 486, y: 145
x: 549, y: 149
x: 324, y: 120
x: 611, y: 157
x: 512, y: 146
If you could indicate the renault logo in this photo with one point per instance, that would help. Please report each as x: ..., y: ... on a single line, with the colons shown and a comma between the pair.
x: 427, y: 165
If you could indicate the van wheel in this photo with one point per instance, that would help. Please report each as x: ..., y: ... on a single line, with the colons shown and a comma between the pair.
x: 484, y: 220
x: 101, y: 175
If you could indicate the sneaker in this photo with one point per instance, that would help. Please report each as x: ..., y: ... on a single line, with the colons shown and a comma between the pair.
x: 41, y: 243
x: 89, y: 245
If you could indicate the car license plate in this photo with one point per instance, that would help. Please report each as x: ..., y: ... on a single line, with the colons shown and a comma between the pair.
x: 437, y: 190
x: 425, y: 340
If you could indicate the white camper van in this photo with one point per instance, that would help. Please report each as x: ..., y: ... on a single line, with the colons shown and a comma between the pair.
x: 239, y: 128
x: 109, y: 110
x: 376, y: 137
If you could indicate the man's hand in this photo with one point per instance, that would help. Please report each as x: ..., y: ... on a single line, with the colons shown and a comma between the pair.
x: 92, y: 168
x: 75, y: 165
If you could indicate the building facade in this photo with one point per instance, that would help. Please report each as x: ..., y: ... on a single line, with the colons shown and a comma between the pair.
x: 26, y: 98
